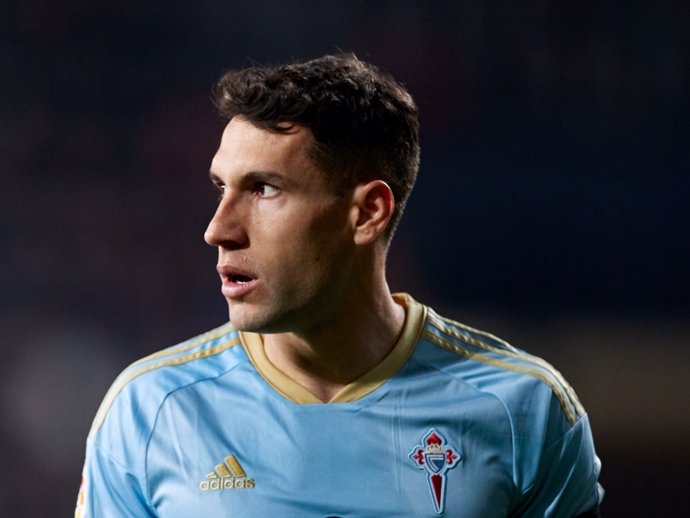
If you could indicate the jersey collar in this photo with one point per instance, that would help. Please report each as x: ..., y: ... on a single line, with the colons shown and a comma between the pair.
x: 415, y: 315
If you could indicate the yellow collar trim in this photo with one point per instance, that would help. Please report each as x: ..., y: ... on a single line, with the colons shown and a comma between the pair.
x: 415, y: 315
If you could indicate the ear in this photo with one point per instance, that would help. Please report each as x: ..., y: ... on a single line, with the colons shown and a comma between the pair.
x: 373, y: 204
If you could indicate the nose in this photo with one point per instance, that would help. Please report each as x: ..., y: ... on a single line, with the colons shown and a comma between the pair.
x: 225, y: 228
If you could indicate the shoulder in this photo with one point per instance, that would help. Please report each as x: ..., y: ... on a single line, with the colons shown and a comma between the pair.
x: 133, y: 400
x: 526, y: 385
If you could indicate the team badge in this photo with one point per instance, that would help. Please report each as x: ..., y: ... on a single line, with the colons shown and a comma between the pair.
x: 436, y: 457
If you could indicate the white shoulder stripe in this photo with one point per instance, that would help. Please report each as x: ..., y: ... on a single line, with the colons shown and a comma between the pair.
x: 534, y: 365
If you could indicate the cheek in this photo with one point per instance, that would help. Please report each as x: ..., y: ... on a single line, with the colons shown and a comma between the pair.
x: 328, y: 245
x: 305, y: 238
x: 312, y: 255
x: 332, y: 225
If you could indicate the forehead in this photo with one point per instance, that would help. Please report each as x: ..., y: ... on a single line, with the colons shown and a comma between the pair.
x: 245, y: 147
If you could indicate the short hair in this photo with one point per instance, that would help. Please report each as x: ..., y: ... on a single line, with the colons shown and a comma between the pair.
x: 365, y: 124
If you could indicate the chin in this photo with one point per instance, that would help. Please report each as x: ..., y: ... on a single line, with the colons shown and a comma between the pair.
x: 246, y: 319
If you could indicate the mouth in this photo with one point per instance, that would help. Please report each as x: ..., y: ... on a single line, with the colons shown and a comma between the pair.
x: 238, y: 278
x: 235, y: 282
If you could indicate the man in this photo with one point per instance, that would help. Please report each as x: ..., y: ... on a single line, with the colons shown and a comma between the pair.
x: 327, y: 395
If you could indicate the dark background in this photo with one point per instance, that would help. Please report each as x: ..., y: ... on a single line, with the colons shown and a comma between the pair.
x: 551, y: 207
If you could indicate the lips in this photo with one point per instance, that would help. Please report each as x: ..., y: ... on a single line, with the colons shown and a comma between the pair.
x: 236, y: 282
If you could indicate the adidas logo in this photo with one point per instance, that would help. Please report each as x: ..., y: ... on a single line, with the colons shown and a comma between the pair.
x: 228, y: 475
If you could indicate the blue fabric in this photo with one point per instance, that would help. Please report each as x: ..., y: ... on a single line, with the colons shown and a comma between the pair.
x: 198, y: 431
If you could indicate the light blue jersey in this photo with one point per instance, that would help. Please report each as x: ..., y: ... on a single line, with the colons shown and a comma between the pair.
x: 454, y: 422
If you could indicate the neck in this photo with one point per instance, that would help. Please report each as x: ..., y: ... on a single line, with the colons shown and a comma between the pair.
x: 354, y: 340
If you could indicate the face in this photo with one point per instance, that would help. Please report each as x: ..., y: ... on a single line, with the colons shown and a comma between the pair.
x: 284, y: 237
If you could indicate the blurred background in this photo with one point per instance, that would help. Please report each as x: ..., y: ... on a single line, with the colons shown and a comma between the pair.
x: 552, y: 206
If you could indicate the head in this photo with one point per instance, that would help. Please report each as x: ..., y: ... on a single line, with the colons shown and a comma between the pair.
x: 313, y: 169
x: 364, y: 124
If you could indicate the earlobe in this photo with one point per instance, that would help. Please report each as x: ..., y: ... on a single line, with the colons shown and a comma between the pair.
x: 374, y: 204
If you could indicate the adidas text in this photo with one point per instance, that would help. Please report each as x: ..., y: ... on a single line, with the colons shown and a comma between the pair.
x: 218, y: 484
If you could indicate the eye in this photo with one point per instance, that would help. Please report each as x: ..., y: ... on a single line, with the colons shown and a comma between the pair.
x: 221, y: 190
x: 265, y: 190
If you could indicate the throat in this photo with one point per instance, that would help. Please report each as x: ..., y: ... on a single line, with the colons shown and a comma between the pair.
x: 325, y: 366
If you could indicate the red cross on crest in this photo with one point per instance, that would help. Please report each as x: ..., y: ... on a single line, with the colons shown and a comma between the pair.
x: 436, y: 457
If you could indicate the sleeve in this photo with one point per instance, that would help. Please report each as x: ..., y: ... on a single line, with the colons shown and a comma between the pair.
x: 566, y: 483
x: 108, y: 490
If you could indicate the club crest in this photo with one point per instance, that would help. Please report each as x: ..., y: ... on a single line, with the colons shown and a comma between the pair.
x: 435, y: 456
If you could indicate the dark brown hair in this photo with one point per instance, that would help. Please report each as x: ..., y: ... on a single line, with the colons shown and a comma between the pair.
x: 365, y: 124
